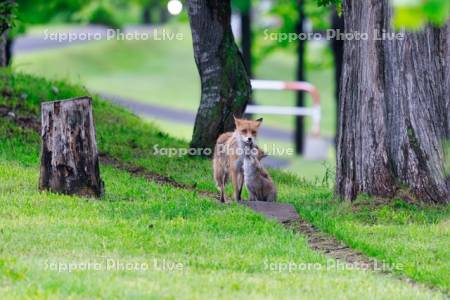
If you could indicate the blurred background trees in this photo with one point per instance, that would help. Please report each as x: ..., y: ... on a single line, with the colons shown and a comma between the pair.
x: 7, y: 18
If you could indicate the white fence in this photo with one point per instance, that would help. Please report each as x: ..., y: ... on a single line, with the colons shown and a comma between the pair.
x: 314, y: 112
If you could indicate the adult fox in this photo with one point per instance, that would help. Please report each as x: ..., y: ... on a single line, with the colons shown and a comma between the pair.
x: 229, y: 155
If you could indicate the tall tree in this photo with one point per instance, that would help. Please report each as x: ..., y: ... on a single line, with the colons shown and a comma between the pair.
x: 395, y: 113
x: 245, y: 11
x: 300, y: 76
x: 225, y: 83
x: 337, y: 45
x: 6, y: 18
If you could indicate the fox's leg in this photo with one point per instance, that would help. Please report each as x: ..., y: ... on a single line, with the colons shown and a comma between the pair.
x: 222, y: 187
x: 240, y: 183
x: 272, y: 197
x: 222, y: 194
x: 235, y: 181
x: 220, y: 176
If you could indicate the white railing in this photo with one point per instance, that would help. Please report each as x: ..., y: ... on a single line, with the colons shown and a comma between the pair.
x: 314, y: 112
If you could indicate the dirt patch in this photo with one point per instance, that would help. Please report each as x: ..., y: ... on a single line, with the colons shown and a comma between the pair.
x: 376, y: 202
x: 29, y: 122
x: 107, y: 159
x: 4, y: 110
x: 372, y: 204
x: 331, y: 247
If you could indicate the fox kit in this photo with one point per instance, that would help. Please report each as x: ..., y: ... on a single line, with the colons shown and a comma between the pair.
x: 229, y: 155
x: 257, y: 179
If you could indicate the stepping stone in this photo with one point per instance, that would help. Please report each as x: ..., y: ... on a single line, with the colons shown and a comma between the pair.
x: 281, y: 212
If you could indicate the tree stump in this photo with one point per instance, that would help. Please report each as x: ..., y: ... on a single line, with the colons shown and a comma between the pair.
x: 69, y: 157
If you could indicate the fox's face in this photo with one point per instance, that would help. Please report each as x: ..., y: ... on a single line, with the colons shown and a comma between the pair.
x: 247, y: 129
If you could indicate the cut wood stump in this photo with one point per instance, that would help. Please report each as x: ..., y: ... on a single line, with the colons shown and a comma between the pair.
x: 69, y: 157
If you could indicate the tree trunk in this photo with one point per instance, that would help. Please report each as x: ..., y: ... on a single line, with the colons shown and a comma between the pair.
x: 300, y: 76
x: 394, y: 108
x: 246, y: 45
x: 246, y: 38
x: 69, y: 158
x: 225, y: 83
x: 147, y: 15
x: 7, y: 8
x: 337, y: 46
x: 163, y: 15
x: 9, y: 50
x: 4, y: 49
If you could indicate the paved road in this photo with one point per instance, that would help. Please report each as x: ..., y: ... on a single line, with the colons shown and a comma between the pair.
x: 185, y: 116
x: 45, y: 40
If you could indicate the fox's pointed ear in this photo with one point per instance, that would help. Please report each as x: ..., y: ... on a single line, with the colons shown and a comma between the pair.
x: 236, y: 121
x: 259, y: 121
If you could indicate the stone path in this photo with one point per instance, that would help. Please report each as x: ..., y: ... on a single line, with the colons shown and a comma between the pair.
x: 281, y: 212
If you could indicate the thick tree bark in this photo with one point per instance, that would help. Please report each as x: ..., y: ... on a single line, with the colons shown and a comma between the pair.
x: 394, y: 108
x: 69, y: 158
x: 225, y: 83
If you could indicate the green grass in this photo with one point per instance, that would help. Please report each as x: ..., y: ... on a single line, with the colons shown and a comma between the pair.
x: 223, y: 251
x: 224, y: 248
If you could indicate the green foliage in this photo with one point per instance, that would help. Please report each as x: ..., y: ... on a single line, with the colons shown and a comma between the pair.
x: 286, y: 12
x: 98, y: 12
x: 413, y: 14
x: 105, y: 12
x: 328, y: 2
x: 242, y: 5
x: 7, y: 14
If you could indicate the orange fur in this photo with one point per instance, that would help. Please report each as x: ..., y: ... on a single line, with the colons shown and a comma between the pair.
x: 228, y: 156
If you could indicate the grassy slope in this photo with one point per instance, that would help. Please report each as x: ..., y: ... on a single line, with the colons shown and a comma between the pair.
x: 224, y: 248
